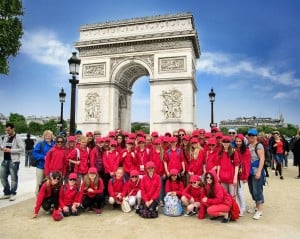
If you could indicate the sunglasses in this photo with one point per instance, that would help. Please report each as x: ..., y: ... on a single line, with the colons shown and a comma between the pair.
x: 251, y: 135
x: 134, y: 176
x: 231, y: 133
x: 208, y: 177
x: 57, y: 178
x: 59, y: 142
x: 211, y: 145
x: 226, y: 142
x: 181, y: 134
x: 72, y: 179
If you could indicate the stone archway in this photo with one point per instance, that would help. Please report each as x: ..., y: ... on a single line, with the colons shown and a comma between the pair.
x: 115, y: 54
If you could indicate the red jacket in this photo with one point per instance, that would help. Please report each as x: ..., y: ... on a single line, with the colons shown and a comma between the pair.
x: 158, y: 162
x: 150, y: 187
x: 129, y: 161
x: 115, y: 186
x: 226, y: 173
x: 111, y: 161
x: 84, y: 188
x: 174, y: 186
x: 196, y: 165
x: 220, y: 196
x: 96, y: 158
x: 44, y: 192
x: 211, y: 159
x: 192, y: 192
x: 84, y: 157
x: 131, y: 188
x: 245, y: 164
x: 55, y: 160
x: 68, y: 196
x: 142, y: 158
x: 174, y: 159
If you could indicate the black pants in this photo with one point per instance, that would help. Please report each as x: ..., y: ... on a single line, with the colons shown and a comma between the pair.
x: 93, y: 201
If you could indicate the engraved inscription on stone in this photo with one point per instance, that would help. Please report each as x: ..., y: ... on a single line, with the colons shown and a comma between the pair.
x: 172, y: 64
x: 92, y: 106
x: 90, y: 70
x: 172, y: 103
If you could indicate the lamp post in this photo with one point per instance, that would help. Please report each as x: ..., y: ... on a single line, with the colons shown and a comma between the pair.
x: 212, y: 96
x: 74, y: 63
x: 62, y: 96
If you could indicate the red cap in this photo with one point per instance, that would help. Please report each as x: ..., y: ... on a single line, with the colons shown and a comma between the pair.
x: 89, y: 134
x: 195, y: 133
x: 92, y: 170
x: 214, y: 129
x: 154, y: 134
x: 157, y: 141
x: 72, y: 138
x: 194, y: 140
x: 112, y: 134
x: 226, y: 139
x: 140, y: 133
x: 72, y: 176
x: 212, y: 141
x: 172, y: 139
x: 240, y: 136
x: 141, y: 140
x: 168, y: 134
x: 132, y: 136
x: 129, y: 141
x: 150, y: 164
x: 173, y: 171
x: 134, y: 173
x: 113, y: 142
x: 194, y: 178
x: 202, y: 131
x: 106, y: 139
x: 57, y: 215
x: 219, y: 135
x: 181, y: 130
x: 207, y: 135
x: 99, y: 140
x: 186, y: 137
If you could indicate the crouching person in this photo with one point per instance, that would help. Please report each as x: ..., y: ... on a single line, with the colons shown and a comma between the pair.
x: 48, y: 195
x: 132, y: 190
x: 150, y: 190
x: 91, y: 191
x: 69, y: 199
x: 115, y: 188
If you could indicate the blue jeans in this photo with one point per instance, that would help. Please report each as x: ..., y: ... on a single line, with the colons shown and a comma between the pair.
x: 9, y: 168
x: 256, y: 187
x: 27, y: 157
x: 278, y: 158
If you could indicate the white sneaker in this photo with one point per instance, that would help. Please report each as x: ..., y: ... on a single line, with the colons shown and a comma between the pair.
x: 5, y: 197
x: 12, y: 197
x: 252, y: 210
x: 257, y: 215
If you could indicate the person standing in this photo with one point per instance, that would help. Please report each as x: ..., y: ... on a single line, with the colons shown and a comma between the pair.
x: 256, y: 178
x: 29, y: 144
x: 39, y: 153
x: 296, y: 152
x: 12, y: 146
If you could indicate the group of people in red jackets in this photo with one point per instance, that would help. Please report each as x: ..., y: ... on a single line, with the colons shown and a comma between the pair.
x: 205, y: 170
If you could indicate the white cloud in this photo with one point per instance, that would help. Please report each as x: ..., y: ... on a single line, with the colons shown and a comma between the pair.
x: 230, y: 65
x: 292, y: 94
x: 44, y: 46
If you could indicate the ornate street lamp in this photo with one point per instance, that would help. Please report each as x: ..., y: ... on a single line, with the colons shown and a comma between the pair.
x: 62, y: 96
x: 212, y: 96
x: 74, y: 64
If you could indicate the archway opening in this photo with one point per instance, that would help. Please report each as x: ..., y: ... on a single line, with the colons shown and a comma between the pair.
x: 140, y: 101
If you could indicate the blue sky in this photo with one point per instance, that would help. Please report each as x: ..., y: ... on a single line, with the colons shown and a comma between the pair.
x: 250, y: 56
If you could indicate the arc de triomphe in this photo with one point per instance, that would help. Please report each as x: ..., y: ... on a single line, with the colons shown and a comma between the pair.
x: 115, y: 54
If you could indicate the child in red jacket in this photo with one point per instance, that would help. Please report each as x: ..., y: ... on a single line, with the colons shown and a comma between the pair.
x: 69, y: 199
x: 132, y: 190
x: 191, y: 195
x: 174, y: 185
x: 116, y: 187
x: 48, y: 195
x: 91, y: 191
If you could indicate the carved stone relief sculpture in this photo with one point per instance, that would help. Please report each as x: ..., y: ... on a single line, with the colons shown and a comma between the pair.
x: 92, y: 106
x: 90, y: 70
x: 172, y: 64
x: 172, y: 104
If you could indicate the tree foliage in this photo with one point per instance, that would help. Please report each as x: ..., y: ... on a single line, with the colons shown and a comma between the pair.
x: 11, y: 31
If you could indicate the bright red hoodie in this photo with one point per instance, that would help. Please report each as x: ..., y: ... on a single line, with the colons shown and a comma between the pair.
x: 150, y: 187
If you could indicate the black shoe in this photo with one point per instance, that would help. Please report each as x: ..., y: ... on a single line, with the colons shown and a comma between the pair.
x: 276, y: 173
x: 214, y: 218
x: 281, y: 177
x: 137, y: 210
x: 225, y: 220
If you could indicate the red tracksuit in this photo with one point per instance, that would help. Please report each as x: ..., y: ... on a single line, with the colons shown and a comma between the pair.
x: 83, y: 166
x: 131, y: 188
x: 150, y: 187
x: 158, y: 162
x: 196, y: 165
x: 245, y: 164
x: 143, y: 157
x: 55, y: 160
x: 174, y: 186
x: 69, y: 196
x: 227, y: 166
x: 111, y: 161
x: 174, y: 159
x: 115, y: 186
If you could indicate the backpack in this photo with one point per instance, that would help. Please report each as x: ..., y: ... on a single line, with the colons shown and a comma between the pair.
x: 172, y: 206
x: 234, y: 211
x: 268, y: 159
x: 34, y: 162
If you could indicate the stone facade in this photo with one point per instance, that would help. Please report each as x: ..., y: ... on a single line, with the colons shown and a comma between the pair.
x: 115, y: 54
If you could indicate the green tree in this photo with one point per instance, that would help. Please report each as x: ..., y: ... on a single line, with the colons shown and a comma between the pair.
x: 35, y: 128
x: 51, y: 125
x: 11, y: 31
x: 19, y: 122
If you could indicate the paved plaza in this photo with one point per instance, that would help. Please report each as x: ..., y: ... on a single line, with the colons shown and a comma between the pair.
x: 280, y: 219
